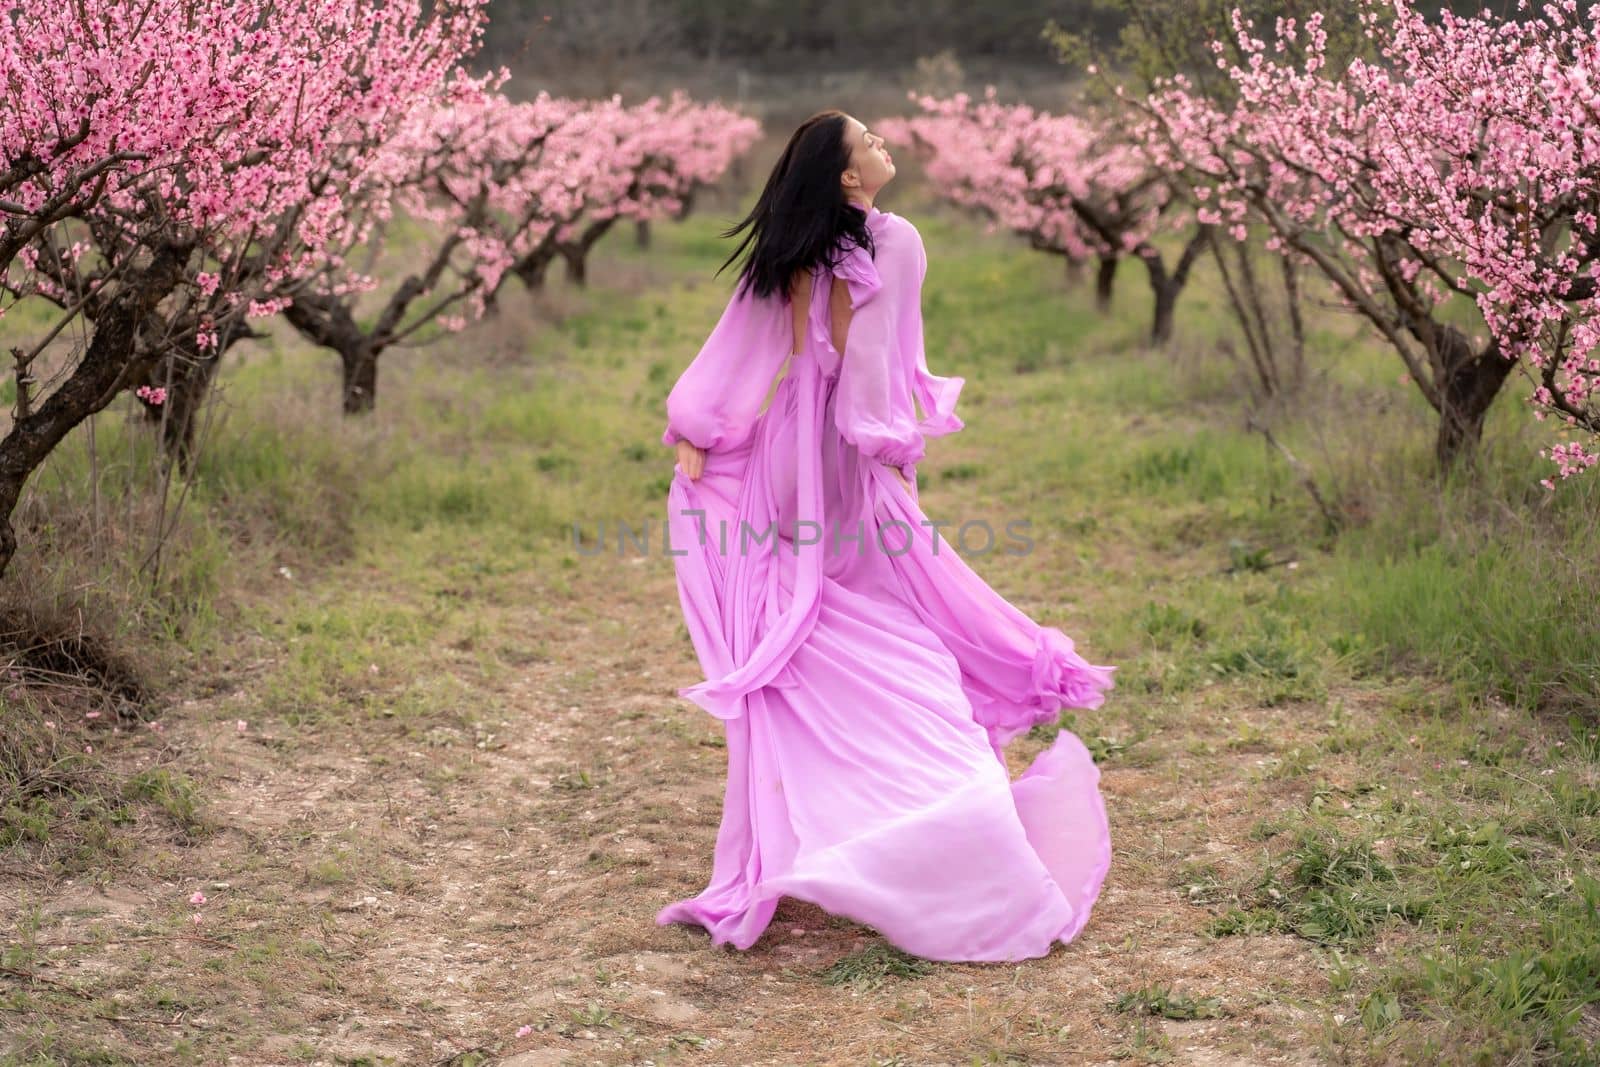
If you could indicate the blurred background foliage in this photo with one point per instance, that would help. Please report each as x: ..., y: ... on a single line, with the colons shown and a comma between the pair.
x: 779, y: 59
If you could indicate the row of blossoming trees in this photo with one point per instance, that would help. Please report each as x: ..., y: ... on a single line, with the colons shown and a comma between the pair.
x: 171, y: 170
x: 1445, y: 185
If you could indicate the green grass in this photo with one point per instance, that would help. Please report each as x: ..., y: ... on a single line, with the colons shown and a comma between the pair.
x: 1505, y: 607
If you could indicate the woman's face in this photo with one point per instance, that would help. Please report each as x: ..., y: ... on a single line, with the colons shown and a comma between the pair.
x: 871, y: 167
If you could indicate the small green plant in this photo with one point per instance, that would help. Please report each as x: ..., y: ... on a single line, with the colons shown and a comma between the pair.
x: 1380, y: 1009
x: 1237, y: 922
x: 1160, y: 1000
x: 173, y: 792
x: 1332, y: 892
x: 1162, y: 467
x: 874, y: 965
x: 1168, y: 623
x: 961, y: 472
x: 594, y: 1014
x: 576, y: 779
x: 1242, y: 557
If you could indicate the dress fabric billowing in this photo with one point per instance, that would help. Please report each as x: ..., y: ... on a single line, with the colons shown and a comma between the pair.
x: 867, y: 678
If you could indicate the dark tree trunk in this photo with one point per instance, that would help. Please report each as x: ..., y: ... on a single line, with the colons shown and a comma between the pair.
x: 187, y: 388
x: 641, y: 233
x: 532, y: 269
x: 1105, y: 277
x: 327, y: 322
x: 1472, y: 381
x: 1165, y: 287
x: 532, y: 277
x: 576, y: 253
x: 1275, y: 339
x: 360, y: 364
x: 577, y: 264
x: 1166, y: 304
x: 186, y: 374
x: 110, y: 363
x: 687, y: 204
x: 1465, y: 380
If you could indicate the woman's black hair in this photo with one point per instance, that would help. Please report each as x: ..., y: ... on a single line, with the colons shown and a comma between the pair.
x: 803, y: 216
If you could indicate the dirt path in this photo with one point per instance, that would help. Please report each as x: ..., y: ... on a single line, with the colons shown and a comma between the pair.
x: 398, y: 889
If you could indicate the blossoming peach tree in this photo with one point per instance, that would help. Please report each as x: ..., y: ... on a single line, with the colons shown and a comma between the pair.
x: 1452, y: 176
x: 449, y: 164
x: 501, y: 187
x: 642, y: 162
x: 172, y: 169
x: 149, y: 151
x: 1072, y: 185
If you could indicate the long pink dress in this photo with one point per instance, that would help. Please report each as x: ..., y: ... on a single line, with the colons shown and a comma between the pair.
x: 866, y: 677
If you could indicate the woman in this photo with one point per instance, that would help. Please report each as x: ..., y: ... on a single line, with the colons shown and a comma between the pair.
x: 866, y: 677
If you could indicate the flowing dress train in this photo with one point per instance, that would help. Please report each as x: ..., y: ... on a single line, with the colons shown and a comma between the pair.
x: 867, y: 678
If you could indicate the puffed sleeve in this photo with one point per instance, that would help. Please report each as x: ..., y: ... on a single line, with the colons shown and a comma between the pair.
x: 938, y: 398
x: 936, y: 394
x: 873, y: 407
x: 715, y: 402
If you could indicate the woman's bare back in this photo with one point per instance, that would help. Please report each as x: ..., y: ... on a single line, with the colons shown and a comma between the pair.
x: 839, y: 314
x: 839, y: 311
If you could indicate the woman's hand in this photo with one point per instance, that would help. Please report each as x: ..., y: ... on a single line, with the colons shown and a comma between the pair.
x: 691, y: 460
